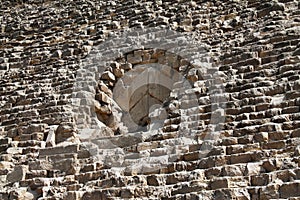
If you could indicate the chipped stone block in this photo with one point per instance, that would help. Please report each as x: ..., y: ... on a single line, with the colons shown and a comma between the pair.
x: 63, y: 132
x: 127, y: 193
x: 232, y: 170
x: 272, y: 164
x: 154, y: 180
x: 118, y: 72
x: 18, y: 173
x: 105, y: 89
x: 295, y: 133
x: 286, y: 175
x: 269, y: 192
x: 108, y: 76
x: 101, y: 96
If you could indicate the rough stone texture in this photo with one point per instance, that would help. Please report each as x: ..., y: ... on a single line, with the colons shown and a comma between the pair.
x: 255, y: 47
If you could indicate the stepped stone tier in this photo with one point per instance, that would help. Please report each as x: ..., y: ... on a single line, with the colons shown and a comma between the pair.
x: 127, y: 99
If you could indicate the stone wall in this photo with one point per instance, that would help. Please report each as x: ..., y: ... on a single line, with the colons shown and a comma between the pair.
x: 63, y: 137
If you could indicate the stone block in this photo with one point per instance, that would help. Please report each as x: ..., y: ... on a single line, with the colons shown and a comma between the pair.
x: 274, y: 145
x: 95, y: 195
x: 229, y: 141
x: 154, y: 180
x: 260, y: 180
x: 240, y: 158
x: 269, y: 192
x: 102, y: 97
x: 107, y: 75
x: 59, y: 150
x: 73, y: 195
x: 277, y: 135
x: 36, y: 173
x: 126, y: 66
x: 64, y: 132
x: 234, y: 149
x: 22, y: 194
x: 232, y: 170
x: 88, y: 168
x: 118, y: 72
x: 6, y: 165
x: 104, y: 89
x: 253, y: 169
x: 191, y: 156
x: 5, y: 141
x: 286, y: 175
x: 295, y: 133
x: 292, y: 109
x: 247, y: 139
x: 219, y: 183
x: 297, y: 151
x: 216, y: 151
x: 127, y: 193
x: 288, y: 190
x: 261, y: 137
x: 18, y: 173
x: 272, y: 164
x: 40, y: 165
x: 135, y: 58
x: 212, y: 172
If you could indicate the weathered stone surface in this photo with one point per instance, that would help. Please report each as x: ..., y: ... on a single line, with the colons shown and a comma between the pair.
x: 63, y: 132
x: 21, y: 194
x: 253, y: 169
x: 108, y: 76
x: 103, y: 98
x: 226, y: 128
x: 18, y: 174
x: 269, y: 192
x: 290, y: 190
x: 271, y: 165
x: 232, y: 170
